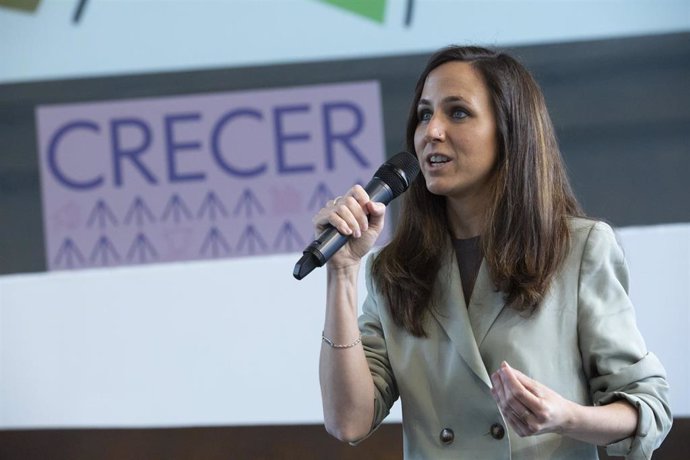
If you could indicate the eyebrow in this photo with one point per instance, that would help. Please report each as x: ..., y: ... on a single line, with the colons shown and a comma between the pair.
x: 445, y: 100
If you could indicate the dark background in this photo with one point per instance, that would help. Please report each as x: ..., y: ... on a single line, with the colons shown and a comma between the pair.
x: 621, y: 108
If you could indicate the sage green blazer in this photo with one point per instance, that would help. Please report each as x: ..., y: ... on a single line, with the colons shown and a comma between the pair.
x: 582, y: 342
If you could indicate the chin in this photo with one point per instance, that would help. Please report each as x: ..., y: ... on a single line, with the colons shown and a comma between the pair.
x: 436, y: 189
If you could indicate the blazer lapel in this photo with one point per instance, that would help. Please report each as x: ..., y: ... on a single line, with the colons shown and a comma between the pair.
x: 452, y: 314
x: 486, y: 304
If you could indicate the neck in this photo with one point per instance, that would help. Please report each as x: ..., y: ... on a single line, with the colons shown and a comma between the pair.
x: 466, y: 216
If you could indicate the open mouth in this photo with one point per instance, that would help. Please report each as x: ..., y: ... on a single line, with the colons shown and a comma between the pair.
x: 438, y: 160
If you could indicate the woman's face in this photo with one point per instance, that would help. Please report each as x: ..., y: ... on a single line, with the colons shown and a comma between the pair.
x: 455, y: 139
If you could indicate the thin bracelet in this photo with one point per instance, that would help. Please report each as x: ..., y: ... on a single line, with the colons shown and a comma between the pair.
x: 330, y: 343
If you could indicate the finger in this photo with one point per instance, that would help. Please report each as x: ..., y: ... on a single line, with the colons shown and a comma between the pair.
x: 522, y: 395
x: 340, y: 224
x: 532, y: 385
x: 343, y: 217
x: 376, y: 209
x: 334, y: 213
x: 328, y: 215
x: 501, y: 395
x: 511, y: 404
x: 358, y: 212
x: 344, y: 213
x: 522, y: 417
x: 362, y: 198
x: 321, y: 218
x: 518, y: 424
x: 359, y: 194
x: 497, y: 390
x: 511, y: 389
x: 526, y: 406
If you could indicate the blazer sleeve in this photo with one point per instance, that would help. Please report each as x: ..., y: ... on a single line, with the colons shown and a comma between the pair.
x: 376, y: 352
x: 615, y: 358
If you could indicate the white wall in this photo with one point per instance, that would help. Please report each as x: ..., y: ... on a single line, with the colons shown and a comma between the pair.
x: 231, y: 342
x: 659, y: 262
x: 234, y: 342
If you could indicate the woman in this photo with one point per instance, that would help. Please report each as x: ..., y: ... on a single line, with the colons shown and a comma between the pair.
x: 496, y: 308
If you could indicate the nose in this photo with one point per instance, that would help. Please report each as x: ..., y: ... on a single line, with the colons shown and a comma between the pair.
x: 435, y: 131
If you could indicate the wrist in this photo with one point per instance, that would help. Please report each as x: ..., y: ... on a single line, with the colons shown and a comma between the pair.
x: 342, y: 271
x: 574, y: 415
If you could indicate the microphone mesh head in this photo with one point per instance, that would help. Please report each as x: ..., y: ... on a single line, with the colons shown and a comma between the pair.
x: 399, y: 172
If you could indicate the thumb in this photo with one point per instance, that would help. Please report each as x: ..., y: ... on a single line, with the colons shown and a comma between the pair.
x: 377, y: 212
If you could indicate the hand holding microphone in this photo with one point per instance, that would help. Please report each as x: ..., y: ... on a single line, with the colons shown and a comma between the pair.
x: 355, y: 217
x: 359, y: 214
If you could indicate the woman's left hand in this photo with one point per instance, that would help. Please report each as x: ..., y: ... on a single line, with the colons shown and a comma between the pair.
x: 530, y: 407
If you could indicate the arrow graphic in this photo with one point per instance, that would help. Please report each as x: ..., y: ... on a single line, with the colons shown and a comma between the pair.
x: 248, y: 202
x: 105, y: 250
x: 68, y: 254
x: 211, y: 206
x: 216, y: 243
x: 102, y: 214
x: 139, y: 212
x: 370, y: 9
x: 176, y: 209
x: 287, y: 235
x: 142, y: 250
x: 251, y: 238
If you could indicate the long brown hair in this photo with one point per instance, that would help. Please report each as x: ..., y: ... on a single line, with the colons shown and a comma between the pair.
x: 525, y: 237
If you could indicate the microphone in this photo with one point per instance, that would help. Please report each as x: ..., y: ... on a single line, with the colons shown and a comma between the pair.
x: 389, y: 181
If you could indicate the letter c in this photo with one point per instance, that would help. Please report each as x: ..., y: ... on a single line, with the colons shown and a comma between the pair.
x: 215, y: 143
x: 53, y: 164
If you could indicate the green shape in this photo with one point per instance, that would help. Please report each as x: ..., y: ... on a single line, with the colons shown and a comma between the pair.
x: 372, y: 9
x: 26, y: 5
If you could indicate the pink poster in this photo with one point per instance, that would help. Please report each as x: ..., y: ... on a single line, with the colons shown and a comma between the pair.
x: 209, y: 176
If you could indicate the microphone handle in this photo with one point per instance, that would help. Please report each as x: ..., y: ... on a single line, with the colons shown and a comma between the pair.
x: 330, y: 240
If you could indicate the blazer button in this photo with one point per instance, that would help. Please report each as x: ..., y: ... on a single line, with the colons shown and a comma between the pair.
x: 447, y: 436
x: 497, y: 431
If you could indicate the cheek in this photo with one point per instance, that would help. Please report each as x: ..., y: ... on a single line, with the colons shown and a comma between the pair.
x: 492, y: 151
x: 490, y: 136
x: 418, y: 142
x: 486, y: 147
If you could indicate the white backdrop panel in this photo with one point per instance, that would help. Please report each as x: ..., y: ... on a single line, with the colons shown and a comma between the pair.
x: 659, y: 262
x: 233, y: 342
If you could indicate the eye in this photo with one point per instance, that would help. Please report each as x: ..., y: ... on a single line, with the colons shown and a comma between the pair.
x: 459, y: 113
x: 423, y: 115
